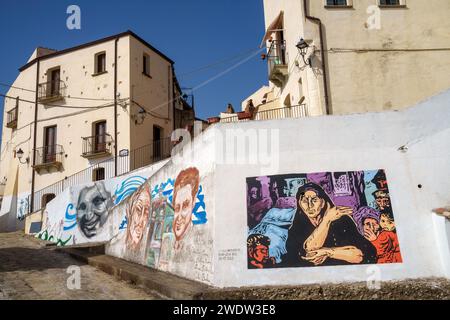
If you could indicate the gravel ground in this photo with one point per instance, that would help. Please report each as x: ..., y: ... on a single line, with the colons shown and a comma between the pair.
x: 423, y: 289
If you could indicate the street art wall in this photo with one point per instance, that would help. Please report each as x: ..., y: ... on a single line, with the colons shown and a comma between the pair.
x: 163, y: 225
x: 80, y: 213
x: 320, y: 219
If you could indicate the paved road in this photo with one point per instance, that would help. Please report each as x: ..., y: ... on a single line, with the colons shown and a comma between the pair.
x: 28, y: 270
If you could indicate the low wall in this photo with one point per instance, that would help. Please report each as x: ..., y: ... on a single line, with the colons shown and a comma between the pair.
x: 310, y: 200
x: 167, y: 224
x: 388, y: 170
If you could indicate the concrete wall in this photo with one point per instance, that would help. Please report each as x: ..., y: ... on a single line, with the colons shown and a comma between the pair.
x: 210, y: 243
x: 176, y: 232
x: 71, y: 218
x: 348, y: 143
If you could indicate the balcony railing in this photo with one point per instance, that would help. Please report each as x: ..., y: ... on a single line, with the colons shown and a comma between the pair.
x: 129, y: 161
x: 49, y: 156
x: 276, y: 59
x: 51, y: 91
x: 98, y: 145
x: 296, y: 111
x: 11, y: 118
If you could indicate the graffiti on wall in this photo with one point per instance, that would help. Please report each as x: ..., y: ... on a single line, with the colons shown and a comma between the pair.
x: 92, y: 208
x: 23, y: 207
x: 177, y: 208
x: 89, y: 212
x: 319, y: 219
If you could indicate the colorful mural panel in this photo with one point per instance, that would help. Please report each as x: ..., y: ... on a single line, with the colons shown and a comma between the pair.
x: 319, y: 219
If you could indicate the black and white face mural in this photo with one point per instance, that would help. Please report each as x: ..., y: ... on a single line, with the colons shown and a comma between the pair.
x: 92, y: 209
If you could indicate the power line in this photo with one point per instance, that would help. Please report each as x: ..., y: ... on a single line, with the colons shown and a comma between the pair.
x: 213, y: 64
x: 61, y: 106
x: 68, y: 97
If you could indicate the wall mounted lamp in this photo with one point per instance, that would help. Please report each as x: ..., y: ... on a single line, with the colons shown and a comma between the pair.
x: 19, y: 155
x: 302, y: 47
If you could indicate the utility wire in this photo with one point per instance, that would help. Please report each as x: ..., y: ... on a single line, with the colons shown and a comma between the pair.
x: 58, y: 105
x: 29, y: 90
x: 213, y: 64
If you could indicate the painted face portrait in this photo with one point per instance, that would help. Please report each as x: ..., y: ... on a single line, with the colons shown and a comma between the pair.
x: 311, y: 204
x: 138, y: 216
x: 258, y: 251
x: 371, y: 229
x: 92, y: 209
x: 183, y: 202
x: 387, y: 223
x: 183, y: 205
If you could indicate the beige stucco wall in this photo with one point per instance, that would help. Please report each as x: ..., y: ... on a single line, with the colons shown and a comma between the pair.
x: 76, y: 71
x: 154, y: 93
x: 368, y: 80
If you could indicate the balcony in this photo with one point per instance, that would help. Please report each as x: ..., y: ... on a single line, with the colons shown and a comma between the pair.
x: 51, y: 91
x: 48, y: 157
x: 11, y: 118
x: 97, y: 146
x: 276, y: 58
x: 297, y: 111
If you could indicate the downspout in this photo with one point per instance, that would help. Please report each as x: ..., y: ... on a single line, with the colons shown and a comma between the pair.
x: 173, y: 100
x: 322, y: 52
x: 115, y: 107
x: 33, y: 175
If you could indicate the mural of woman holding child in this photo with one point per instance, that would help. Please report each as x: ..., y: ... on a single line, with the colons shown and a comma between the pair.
x: 330, y: 222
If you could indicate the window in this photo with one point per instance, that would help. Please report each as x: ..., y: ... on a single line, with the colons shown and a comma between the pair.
x: 100, y: 136
x: 55, y: 83
x: 336, y: 3
x: 157, y: 147
x: 100, y: 62
x: 49, y: 153
x: 46, y: 198
x: 98, y: 174
x: 389, y: 2
x: 146, y: 64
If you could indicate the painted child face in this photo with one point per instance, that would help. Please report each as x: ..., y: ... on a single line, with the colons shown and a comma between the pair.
x: 386, y: 223
x: 371, y: 225
x: 139, y: 216
x: 311, y: 204
x: 183, y: 206
x: 261, y: 253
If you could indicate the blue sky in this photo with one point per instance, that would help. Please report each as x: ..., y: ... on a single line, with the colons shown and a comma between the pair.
x: 193, y: 33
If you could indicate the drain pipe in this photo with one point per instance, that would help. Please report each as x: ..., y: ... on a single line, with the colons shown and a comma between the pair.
x: 33, y: 174
x: 115, y: 107
x: 322, y: 51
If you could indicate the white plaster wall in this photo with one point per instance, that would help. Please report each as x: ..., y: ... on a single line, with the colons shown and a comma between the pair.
x: 347, y: 143
x: 196, y: 262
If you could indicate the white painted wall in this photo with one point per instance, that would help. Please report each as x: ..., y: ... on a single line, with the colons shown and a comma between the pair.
x: 347, y: 143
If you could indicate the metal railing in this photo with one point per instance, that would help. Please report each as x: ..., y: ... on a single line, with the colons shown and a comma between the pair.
x: 51, y: 90
x: 96, y: 144
x: 48, y: 155
x: 276, y: 55
x: 296, y: 111
x: 126, y: 162
x: 11, y: 118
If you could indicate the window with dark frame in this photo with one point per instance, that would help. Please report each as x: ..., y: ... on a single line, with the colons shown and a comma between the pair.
x: 389, y: 2
x: 146, y: 64
x: 336, y: 2
x: 98, y: 174
x: 100, y: 136
x: 101, y: 62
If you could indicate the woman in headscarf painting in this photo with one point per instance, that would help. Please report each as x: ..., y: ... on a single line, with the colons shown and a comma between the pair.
x: 324, y: 234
